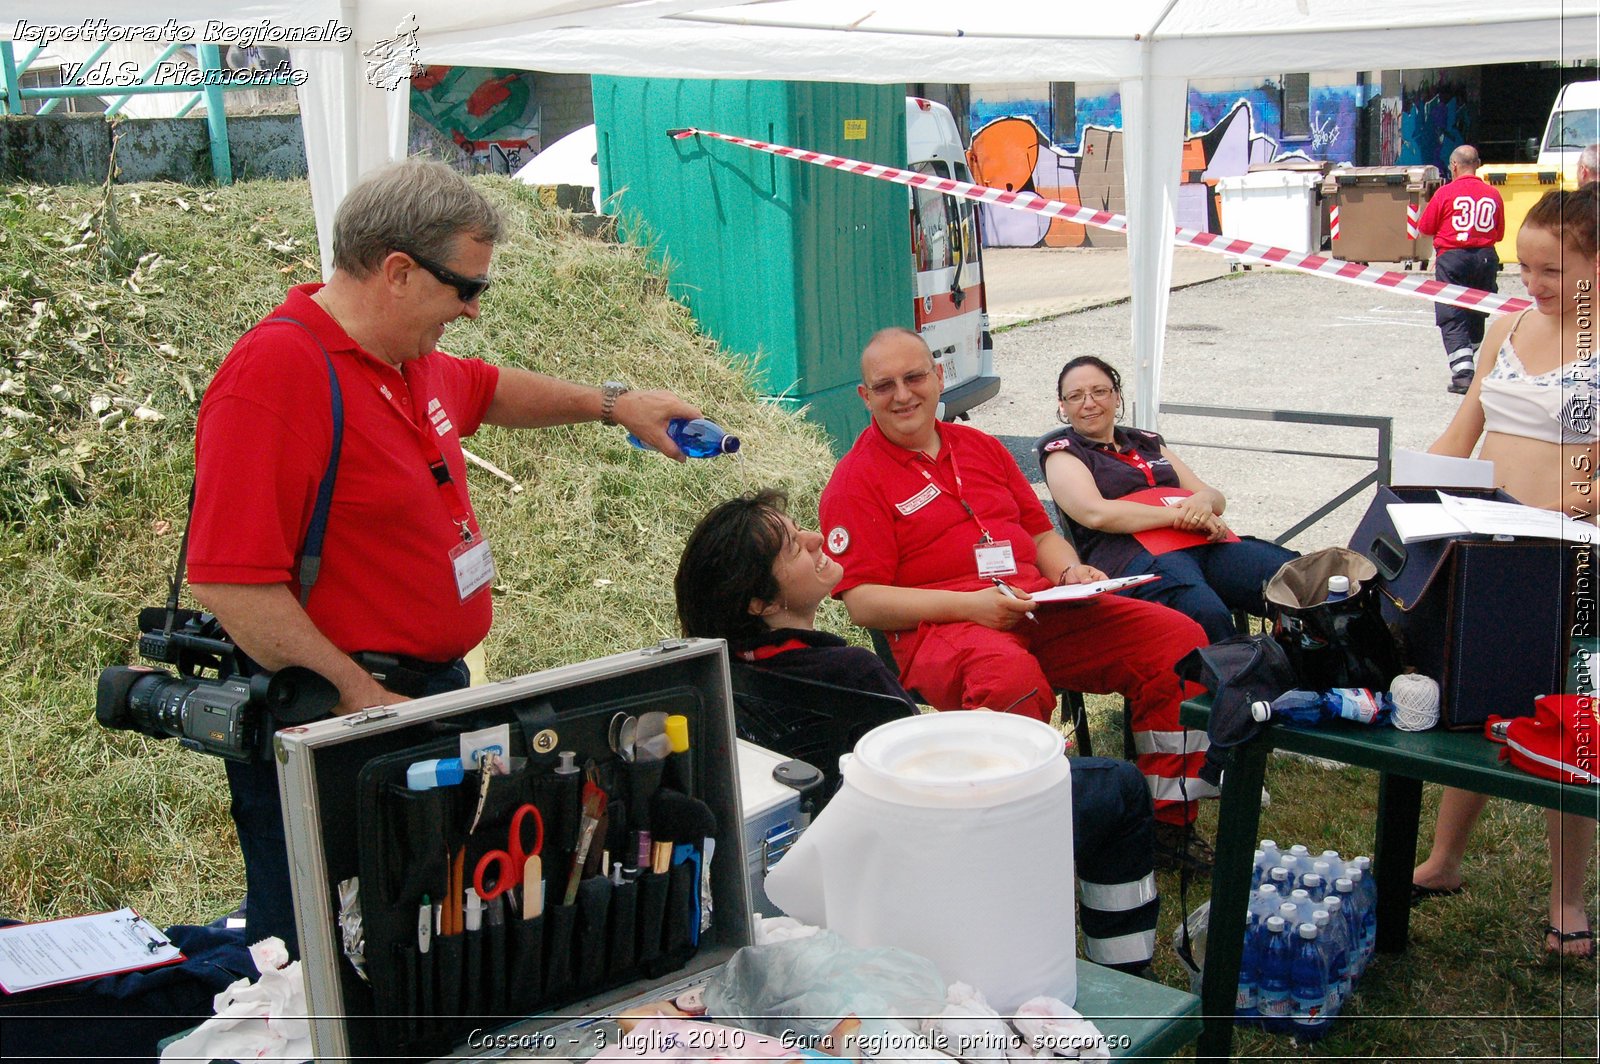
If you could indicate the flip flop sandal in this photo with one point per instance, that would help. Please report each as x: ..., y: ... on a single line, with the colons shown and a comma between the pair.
x: 1564, y: 937
x: 1420, y: 893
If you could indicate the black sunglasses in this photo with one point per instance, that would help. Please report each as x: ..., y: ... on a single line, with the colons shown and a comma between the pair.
x: 468, y: 288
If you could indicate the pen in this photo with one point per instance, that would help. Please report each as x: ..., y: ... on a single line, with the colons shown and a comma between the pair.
x: 1010, y: 594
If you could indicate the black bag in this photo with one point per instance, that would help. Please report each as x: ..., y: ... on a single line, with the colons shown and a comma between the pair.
x: 1331, y: 644
x: 1237, y: 672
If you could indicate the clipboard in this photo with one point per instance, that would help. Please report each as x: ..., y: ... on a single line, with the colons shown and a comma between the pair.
x: 76, y: 948
x: 1160, y: 541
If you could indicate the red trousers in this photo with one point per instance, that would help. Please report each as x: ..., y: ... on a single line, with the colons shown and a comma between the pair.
x: 1110, y: 645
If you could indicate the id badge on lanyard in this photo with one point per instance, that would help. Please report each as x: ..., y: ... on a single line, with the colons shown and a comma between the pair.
x: 470, y: 559
x: 473, y: 565
x: 995, y: 558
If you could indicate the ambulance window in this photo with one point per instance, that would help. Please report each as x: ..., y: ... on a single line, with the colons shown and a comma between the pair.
x: 932, y: 223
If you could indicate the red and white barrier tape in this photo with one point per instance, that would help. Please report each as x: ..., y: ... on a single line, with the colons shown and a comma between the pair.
x: 1415, y: 284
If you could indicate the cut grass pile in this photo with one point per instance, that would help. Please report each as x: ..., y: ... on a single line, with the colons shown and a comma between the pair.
x: 113, y: 320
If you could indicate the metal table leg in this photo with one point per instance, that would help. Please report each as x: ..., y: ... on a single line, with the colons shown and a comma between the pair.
x: 1394, y: 855
x: 1238, y: 817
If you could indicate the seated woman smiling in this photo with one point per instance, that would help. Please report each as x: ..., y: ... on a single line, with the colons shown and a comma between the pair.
x: 751, y: 576
x: 1133, y: 508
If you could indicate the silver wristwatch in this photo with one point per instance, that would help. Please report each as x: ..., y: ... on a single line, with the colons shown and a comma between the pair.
x: 610, y: 392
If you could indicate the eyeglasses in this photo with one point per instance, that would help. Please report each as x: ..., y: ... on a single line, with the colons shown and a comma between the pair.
x: 468, y: 288
x: 884, y: 389
x: 1099, y: 395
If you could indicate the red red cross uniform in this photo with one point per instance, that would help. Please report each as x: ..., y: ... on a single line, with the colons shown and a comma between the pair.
x: 892, y: 516
x: 261, y: 446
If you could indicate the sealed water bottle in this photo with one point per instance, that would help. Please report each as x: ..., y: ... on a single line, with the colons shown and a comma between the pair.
x: 1272, y: 980
x: 1338, y: 947
x: 1264, y: 903
x: 1366, y: 913
x: 1314, y: 885
x: 1355, y: 920
x: 1281, y: 877
x: 1367, y: 887
x: 1338, y: 589
x: 1267, y: 857
x: 1308, y: 987
x: 697, y: 438
x: 1246, y: 1002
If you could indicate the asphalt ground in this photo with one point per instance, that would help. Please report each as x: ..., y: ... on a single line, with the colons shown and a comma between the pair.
x: 1262, y: 339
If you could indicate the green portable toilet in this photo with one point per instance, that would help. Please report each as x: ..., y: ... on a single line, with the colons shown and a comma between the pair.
x: 788, y: 262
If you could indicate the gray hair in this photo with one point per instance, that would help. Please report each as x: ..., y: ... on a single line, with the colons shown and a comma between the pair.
x: 1589, y: 159
x: 1466, y: 157
x: 418, y: 205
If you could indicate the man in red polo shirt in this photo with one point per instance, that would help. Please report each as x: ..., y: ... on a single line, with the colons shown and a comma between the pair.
x: 928, y: 520
x: 403, y: 589
x: 1465, y: 218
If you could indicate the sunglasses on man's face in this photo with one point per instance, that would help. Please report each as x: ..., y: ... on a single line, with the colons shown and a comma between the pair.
x: 468, y: 288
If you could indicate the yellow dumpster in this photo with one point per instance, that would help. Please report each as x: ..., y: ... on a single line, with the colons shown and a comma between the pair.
x: 1520, y: 185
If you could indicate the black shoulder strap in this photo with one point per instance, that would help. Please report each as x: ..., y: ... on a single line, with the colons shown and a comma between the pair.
x: 311, y: 550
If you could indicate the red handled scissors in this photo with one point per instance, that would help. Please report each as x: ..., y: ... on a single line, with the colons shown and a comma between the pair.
x: 508, y: 864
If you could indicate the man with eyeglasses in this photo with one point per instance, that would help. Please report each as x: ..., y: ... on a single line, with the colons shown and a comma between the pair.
x: 943, y: 542
x: 344, y: 382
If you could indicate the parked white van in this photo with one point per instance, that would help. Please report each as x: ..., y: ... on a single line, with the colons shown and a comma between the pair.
x: 1574, y: 125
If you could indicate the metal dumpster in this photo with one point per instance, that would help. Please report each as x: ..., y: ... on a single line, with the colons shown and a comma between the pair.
x: 1520, y: 185
x: 1373, y: 212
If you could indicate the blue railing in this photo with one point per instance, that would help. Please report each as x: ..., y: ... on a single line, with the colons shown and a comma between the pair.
x: 210, y: 92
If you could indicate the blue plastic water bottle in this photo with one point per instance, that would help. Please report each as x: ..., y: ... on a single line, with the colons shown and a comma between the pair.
x: 1351, y: 904
x: 698, y: 438
x: 1338, y: 938
x: 1272, y: 980
x: 1315, y: 886
x: 1308, y: 987
x: 1310, y: 708
x: 1338, y: 589
x: 1246, y: 1002
x: 1367, y: 913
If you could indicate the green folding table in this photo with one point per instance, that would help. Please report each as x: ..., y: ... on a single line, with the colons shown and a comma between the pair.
x: 1403, y: 761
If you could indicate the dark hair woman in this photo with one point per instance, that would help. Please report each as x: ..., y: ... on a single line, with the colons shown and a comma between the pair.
x: 1133, y: 507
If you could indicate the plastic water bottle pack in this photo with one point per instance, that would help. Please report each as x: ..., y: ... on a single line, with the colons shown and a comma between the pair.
x: 1309, y: 932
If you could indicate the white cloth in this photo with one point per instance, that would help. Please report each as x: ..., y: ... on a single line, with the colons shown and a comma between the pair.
x: 263, y: 1020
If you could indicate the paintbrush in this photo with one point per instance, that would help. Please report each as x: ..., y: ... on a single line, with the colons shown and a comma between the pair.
x: 594, y: 806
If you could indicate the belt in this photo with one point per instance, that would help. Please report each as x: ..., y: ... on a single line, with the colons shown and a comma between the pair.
x: 401, y: 674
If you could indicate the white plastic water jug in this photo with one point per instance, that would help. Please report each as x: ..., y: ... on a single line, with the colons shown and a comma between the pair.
x: 952, y: 838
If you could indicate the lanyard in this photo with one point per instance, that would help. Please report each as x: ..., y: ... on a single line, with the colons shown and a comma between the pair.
x: 454, y: 501
x: 1137, y: 460
x: 955, y: 467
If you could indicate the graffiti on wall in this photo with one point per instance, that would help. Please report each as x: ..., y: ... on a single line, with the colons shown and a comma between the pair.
x: 1014, y: 154
x: 1433, y: 123
x: 491, y: 115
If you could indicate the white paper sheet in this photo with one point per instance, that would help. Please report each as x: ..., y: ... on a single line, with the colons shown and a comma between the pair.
x: 1455, y: 516
x: 1420, y: 469
x: 1079, y: 592
x: 80, y: 947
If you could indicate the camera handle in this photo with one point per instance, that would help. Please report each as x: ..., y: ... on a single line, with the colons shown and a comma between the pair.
x: 310, y: 563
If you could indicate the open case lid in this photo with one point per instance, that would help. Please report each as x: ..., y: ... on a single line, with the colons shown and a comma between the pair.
x: 1407, y: 571
x: 318, y: 766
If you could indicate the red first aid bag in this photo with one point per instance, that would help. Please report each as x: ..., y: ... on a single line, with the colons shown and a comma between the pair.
x: 1560, y: 742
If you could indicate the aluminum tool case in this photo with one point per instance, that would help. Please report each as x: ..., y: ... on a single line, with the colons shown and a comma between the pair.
x: 338, y: 777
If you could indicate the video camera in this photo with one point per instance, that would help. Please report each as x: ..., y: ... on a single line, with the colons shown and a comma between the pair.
x: 231, y: 715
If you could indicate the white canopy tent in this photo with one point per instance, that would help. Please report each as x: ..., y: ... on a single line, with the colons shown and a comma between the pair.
x: 1150, y: 47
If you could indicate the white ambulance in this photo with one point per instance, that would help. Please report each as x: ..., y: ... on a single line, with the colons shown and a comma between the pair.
x: 950, y: 308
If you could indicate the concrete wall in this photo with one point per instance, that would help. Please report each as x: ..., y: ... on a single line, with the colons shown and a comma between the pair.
x: 73, y: 149
x: 566, y: 102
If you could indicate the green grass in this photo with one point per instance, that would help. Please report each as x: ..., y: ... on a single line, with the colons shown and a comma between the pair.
x: 104, y: 311
x: 1475, y: 983
x: 137, y: 306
